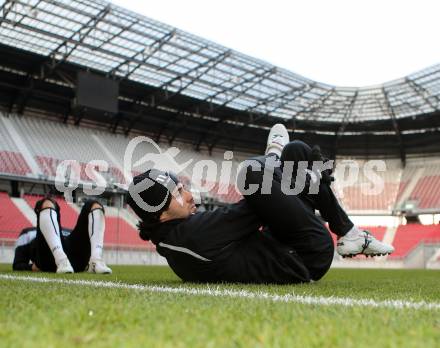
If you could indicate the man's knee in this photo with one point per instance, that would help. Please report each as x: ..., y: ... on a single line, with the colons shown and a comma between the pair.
x: 45, y: 203
x: 91, y: 205
x: 296, y: 150
x: 96, y: 205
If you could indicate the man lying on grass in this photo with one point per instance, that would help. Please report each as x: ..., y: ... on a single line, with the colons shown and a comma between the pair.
x: 264, y: 238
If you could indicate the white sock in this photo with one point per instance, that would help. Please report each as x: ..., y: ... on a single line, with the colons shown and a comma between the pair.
x: 354, y: 232
x: 96, y: 233
x: 274, y: 149
x: 51, y: 232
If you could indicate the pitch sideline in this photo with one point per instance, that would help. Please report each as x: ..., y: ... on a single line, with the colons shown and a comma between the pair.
x: 215, y: 292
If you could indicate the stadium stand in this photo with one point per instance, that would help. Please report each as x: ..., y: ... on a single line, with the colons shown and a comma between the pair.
x: 85, y: 145
x: 361, y: 194
x: 13, y: 163
x: 427, y: 189
x: 46, y: 141
x: 409, y: 236
x: 11, y: 160
x: 12, y: 221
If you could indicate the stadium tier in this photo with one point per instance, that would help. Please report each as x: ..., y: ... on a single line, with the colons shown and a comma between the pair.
x: 355, y: 200
x: 46, y: 144
x: 13, y: 163
x: 427, y: 190
x: 410, y: 236
x: 32, y: 147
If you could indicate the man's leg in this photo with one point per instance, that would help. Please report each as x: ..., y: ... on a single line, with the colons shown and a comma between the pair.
x: 50, y: 255
x: 85, y: 244
x: 291, y: 221
x: 325, y: 200
x: 352, y: 240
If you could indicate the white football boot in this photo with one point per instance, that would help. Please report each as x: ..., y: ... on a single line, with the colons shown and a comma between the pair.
x: 64, y: 267
x: 98, y: 266
x: 362, y: 242
x: 277, y: 139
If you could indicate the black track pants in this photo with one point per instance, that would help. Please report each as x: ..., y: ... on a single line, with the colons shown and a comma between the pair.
x: 291, y: 219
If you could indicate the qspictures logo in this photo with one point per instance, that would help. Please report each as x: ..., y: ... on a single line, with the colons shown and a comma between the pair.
x: 216, y: 176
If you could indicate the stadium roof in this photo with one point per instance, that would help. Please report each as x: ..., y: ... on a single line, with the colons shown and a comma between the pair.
x: 124, y: 44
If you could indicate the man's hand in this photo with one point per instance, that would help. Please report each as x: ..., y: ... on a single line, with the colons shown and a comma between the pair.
x: 35, y: 268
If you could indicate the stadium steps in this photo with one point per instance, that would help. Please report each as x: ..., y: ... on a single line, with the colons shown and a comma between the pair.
x: 427, y: 191
x: 117, y: 170
x: 434, y: 260
x: 25, y: 209
x: 12, y: 220
x: 13, y: 163
x: 11, y: 160
x: 410, y: 186
x: 21, y: 146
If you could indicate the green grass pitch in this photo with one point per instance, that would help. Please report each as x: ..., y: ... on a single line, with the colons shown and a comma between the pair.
x: 62, y: 315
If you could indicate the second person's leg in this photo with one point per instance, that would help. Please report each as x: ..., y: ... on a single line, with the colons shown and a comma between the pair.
x: 86, y: 242
x: 49, y: 242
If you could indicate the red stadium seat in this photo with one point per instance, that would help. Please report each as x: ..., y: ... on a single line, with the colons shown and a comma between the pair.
x: 120, y: 233
x: 409, y: 236
x: 13, y: 163
x: 12, y: 220
x: 427, y: 192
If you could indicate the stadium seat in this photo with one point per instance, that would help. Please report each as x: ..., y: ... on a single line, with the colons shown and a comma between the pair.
x: 427, y: 192
x: 13, y: 163
x: 120, y: 233
x: 51, y: 142
x: 409, y: 236
x: 12, y: 220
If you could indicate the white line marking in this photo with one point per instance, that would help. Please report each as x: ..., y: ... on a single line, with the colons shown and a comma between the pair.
x: 217, y: 292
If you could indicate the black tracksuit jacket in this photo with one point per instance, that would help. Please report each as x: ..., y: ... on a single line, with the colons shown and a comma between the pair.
x: 227, y: 245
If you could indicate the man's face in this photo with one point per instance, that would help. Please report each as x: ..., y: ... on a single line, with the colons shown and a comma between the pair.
x: 181, y: 206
